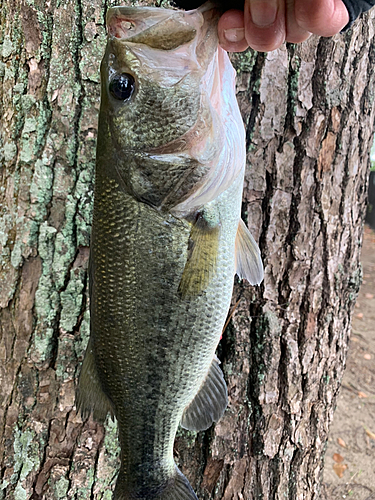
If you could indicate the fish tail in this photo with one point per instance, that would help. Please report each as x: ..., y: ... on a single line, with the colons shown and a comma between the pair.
x: 177, y: 488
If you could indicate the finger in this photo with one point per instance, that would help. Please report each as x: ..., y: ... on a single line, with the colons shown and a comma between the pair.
x: 322, y: 17
x: 264, y: 24
x: 294, y: 32
x: 232, y: 31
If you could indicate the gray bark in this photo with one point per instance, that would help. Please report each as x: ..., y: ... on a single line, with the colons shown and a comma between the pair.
x: 309, y: 115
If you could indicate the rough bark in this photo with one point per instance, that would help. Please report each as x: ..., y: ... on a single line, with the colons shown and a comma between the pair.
x: 309, y: 115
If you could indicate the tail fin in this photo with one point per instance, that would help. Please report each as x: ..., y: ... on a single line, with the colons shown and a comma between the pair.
x: 177, y: 488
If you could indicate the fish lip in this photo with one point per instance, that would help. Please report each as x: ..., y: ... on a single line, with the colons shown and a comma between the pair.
x: 126, y: 23
x: 127, y: 14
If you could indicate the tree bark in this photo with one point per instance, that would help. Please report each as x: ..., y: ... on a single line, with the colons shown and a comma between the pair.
x: 309, y: 115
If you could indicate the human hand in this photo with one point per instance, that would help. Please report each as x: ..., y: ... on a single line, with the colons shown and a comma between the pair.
x: 265, y: 24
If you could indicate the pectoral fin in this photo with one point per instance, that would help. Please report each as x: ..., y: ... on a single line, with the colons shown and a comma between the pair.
x: 90, y: 397
x: 248, y: 260
x: 200, y: 266
x: 209, y: 403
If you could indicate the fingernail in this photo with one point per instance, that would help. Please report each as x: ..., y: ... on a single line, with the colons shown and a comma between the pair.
x: 263, y: 13
x: 234, y: 34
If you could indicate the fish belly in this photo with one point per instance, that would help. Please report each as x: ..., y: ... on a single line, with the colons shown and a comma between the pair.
x: 153, y: 348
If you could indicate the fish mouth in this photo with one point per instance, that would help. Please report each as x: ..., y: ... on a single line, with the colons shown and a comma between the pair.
x: 163, y: 29
x: 157, y: 28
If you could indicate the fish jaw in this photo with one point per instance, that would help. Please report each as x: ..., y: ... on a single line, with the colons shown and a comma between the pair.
x: 164, y: 29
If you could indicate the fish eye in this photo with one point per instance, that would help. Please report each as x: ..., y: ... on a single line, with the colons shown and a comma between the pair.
x: 122, y: 86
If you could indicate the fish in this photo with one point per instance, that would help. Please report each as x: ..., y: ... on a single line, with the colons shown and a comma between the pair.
x: 167, y: 239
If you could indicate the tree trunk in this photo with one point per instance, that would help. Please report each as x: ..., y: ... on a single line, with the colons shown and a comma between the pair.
x: 309, y: 114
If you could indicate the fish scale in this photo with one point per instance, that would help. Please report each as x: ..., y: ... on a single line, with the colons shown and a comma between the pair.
x: 161, y: 265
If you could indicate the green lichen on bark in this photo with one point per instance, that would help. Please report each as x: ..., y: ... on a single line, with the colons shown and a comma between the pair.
x: 294, y: 69
x: 26, y: 459
x: 266, y: 329
x: 61, y: 488
x: 108, y: 462
x: 71, y: 300
x: 244, y: 61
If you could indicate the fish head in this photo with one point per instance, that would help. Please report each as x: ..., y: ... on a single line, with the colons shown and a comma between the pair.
x: 168, y: 114
x: 151, y: 73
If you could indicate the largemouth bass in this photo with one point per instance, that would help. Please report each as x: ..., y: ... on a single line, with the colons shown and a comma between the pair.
x: 167, y: 239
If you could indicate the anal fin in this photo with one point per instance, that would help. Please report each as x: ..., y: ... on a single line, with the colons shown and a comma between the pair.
x: 90, y: 397
x: 248, y: 260
x: 209, y: 403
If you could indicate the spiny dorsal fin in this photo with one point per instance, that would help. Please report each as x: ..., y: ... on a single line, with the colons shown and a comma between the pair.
x: 248, y: 260
x: 200, y: 266
x: 209, y: 403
